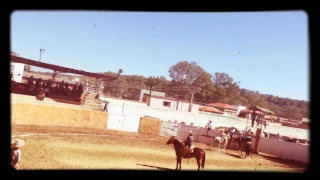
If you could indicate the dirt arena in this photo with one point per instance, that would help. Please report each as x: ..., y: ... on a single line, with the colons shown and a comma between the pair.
x: 79, y: 148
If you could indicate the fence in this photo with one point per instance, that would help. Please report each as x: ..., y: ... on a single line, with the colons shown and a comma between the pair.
x: 283, y: 149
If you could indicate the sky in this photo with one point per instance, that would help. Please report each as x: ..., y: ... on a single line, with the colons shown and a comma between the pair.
x: 266, y: 51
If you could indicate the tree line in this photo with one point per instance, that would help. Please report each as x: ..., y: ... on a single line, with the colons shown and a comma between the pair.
x: 188, y: 77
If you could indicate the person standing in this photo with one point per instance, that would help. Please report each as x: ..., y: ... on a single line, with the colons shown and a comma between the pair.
x: 16, y: 152
x: 208, y: 127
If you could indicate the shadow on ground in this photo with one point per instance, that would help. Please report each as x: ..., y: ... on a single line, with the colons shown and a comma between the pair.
x: 157, y: 167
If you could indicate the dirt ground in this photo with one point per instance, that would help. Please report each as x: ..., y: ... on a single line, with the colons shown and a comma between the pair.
x: 78, y: 148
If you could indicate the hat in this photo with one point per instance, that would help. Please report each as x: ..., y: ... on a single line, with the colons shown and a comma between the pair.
x: 18, y: 142
x: 190, y: 132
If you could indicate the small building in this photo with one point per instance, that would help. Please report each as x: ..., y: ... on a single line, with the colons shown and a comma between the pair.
x: 162, y: 102
x: 225, y: 108
x: 17, y: 70
x: 137, y: 94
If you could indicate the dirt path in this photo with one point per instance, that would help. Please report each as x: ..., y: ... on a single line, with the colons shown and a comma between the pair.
x: 123, y: 150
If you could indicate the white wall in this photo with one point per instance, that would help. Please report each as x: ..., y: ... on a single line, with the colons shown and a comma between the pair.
x: 283, y: 149
x: 201, y: 119
x: 158, y: 103
x: 17, y: 71
x: 182, y: 106
x: 121, y: 101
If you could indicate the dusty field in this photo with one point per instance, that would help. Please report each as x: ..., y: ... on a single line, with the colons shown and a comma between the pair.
x: 100, y: 149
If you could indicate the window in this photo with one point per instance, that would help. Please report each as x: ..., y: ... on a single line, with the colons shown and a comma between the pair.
x: 166, y: 103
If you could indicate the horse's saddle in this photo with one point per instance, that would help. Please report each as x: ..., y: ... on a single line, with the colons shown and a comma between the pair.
x: 185, y: 150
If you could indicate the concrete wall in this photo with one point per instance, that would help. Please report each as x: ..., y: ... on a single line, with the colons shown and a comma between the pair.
x: 158, y: 103
x: 174, y: 105
x: 116, y: 101
x: 37, y: 114
x: 137, y: 94
x: 283, y: 149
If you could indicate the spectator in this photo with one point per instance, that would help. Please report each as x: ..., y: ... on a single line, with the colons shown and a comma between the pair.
x: 208, y: 127
x: 279, y: 137
x: 41, y: 94
x: 16, y: 152
x: 46, y: 90
x: 30, y: 80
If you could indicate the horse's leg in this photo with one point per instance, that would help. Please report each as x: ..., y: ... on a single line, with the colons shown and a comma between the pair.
x: 198, y: 162
x: 177, y: 163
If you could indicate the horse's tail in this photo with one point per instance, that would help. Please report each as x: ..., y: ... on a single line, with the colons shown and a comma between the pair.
x: 203, y: 160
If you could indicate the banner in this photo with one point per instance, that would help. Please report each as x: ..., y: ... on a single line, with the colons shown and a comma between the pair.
x: 169, y: 128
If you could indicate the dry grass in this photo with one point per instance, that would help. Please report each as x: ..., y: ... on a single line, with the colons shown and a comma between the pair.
x: 124, y: 150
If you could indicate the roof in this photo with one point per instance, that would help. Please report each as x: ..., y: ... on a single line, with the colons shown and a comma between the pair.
x: 60, y: 68
x: 222, y: 105
x: 210, y: 109
x: 261, y: 109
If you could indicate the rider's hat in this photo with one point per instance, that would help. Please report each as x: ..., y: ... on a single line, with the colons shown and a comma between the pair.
x: 16, y: 143
x: 190, y: 132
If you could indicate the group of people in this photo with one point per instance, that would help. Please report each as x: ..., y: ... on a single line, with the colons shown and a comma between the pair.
x: 43, y: 88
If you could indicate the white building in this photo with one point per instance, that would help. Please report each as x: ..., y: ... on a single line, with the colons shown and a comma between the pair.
x: 161, y: 102
x: 17, y: 70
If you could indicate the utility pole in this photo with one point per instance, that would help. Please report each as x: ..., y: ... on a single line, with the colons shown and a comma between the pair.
x: 191, y: 100
x: 149, y: 100
x: 41, y: 51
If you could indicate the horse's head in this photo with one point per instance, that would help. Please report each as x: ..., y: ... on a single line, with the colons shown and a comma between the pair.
x: 170, y: 141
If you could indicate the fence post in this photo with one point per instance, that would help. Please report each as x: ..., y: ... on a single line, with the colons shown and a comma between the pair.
x: 256, y: 144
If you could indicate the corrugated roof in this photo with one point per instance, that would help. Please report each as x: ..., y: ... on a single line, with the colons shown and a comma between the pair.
x: 60, y: 68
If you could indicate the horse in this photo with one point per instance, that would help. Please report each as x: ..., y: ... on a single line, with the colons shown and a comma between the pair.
x: 179, y: 147
x: 238, y: 138
x: 224, y: 139
x: 247, y: 146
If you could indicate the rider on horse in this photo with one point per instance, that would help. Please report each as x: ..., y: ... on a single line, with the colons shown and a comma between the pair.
x: 233, y: 133
x: 189, y: 143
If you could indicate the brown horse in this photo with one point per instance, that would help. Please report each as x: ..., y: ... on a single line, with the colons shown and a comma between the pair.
x: 197, y: 153
x: 245, y: 145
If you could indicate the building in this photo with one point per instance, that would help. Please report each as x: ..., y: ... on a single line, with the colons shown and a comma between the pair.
x: 17, y: 70
x: 225, y: 108
x: 137, y: 94
x: 162, y: 102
